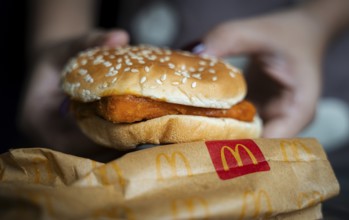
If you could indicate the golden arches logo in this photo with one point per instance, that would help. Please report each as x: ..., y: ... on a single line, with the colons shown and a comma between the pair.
x: 294, y: 146
x: 190, y: 208
x: 256, y: 198
x: 105, y: 177
x: 307, y: 199
x: 234, y: 158
x: 173, y: 163
x: 236, y: 154
x: 42, y: 170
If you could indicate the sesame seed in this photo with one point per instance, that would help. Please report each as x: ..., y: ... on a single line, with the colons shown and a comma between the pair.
x: 83, y: 62
x: 201, y: 69
x: 212, y: 71
x: 197, y: 76
x: 88, y: 78
x: 95, y: 62
x: 163, y: 77
x: 145, y: 52
x: 192, y: 69
x: 178, y: 73
x: 98, y: 60
x: 185, y: 74
x: 112, y: 73
x: 134, y: 70
x: 158, y: 81
x: 184, y: 80
x: 112, y: 57
x: 162, y: 60
x: 82, y: 72
x: 118, y: 66
x: 141, y: 61
x: 86, y: 92
x: 119, y: 60
x: 107, y: 64
x: 167, y: 58
x: 152, y: 57
x: 212, y: 63
x: 70, y: 87
x: 114, y: 80
x: 168, y: 52
x: 175, y: 83
x: 90, y: 53
x: 143, y: 79
x: 99, y: 57
x: 74, y: 65
x: 193, y: 85
x: 134, y: 56
x: 214, y: 78
x: 127, y: 69
x: 202, y: 63
x: 171, y: 65
x: 129, y: 63
x: 146, y: 69
x: 185, y: 53
x: 234, y: 69
x: 105, y: 85
x: 232, y: 75
x: 183, y: 67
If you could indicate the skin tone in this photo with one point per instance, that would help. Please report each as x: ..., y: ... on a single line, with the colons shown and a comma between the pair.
x: 286, y: 50
x: 284, y: 75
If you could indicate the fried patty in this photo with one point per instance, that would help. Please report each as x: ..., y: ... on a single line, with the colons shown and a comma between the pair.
x: 129, y: 109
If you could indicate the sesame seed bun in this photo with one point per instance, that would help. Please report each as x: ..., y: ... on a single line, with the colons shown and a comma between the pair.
x: 172, y: 76
x: 161, y: 74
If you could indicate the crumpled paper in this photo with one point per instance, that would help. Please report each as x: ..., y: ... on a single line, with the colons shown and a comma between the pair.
x: 232, y: 179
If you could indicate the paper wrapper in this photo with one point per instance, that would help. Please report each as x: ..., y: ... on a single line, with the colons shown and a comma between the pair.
x: 236, y: 179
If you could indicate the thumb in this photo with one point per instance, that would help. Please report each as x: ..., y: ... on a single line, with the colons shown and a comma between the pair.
x: 115, y: 37
x: 233, y: 38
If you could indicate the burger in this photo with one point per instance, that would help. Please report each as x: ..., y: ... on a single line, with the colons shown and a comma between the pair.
x: 127, y: 96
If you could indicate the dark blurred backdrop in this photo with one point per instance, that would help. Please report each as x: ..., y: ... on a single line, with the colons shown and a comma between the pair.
x: 13, y: 15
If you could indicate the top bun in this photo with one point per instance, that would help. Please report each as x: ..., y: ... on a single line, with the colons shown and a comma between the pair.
x: 161, y: 74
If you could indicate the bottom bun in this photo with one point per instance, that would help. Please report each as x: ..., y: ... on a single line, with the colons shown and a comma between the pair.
x: 167, y: 129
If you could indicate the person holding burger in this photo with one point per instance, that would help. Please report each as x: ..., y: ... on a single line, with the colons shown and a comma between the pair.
x: 284, y: 76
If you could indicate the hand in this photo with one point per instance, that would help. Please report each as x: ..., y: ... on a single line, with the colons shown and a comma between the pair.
x: 284, y: 76
x: 41, y: 116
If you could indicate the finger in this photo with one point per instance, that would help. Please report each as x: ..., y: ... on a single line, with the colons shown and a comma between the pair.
x: 115, y: 38
x: 289, y: 116
x: 283, y: 127
x: 234, y: 38
x: 110, y: 38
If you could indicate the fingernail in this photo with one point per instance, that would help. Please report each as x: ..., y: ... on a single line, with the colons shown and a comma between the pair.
x: 196, y: 47
x: 64, y: 107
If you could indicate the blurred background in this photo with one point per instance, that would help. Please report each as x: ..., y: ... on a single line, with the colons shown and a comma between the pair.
x: 176, y: 23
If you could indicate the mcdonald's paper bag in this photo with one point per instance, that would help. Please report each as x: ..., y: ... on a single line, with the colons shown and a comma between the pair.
x: 231, y: 179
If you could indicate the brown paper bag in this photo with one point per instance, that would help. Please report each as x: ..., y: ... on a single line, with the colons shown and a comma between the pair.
x: 233, y: 179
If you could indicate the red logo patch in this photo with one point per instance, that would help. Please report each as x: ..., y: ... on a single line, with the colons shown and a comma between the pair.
x: 233, y: 158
